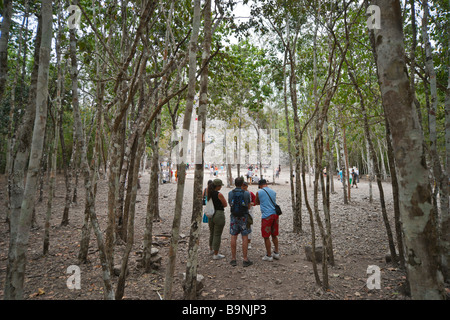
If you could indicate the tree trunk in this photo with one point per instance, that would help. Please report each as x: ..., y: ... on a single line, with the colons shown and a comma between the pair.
x: 51, y: 188
x: 56, y: 126
x: 311, y: 222
x: 310, y: 165
x: 124, y: 177
x: 153, y: 198
x: 190, y: 287
x: 122, y: 226
x: 19, y: 162
x: 23, y: 228
x: 417, y: 213
x: 343, y: 157
x: 113, y: 193
x: 181, y: 165
x: 382, y: 162
x: 66, y: 169
x: 347, y: 167
x: 375, y: 162
x: 369, y: 170
x: 326, y: 200
x: 394, y: 182
x: 84, y: 168
x: 4, y: 39
x: 317, y: 180
x: 140, y: 145
x: 297, y: 216
x: 288, y: 129
x: 11, y: 126
x: 440, y: 175
x: 330, y: 159
x: 445, y: 216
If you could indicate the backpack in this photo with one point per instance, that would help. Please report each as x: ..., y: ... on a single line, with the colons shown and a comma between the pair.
x: 238, y: 206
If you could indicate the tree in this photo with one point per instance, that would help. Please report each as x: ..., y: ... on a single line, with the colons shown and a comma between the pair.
x: 4, y: 39
x: 14, y: 289
x: 181, y: 166
x: 417, y: 212
x: 20, y: 157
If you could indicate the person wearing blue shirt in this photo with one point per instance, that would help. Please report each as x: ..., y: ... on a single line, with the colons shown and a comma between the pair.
x: 269, y: 222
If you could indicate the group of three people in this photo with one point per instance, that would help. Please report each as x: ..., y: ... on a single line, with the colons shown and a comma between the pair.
x: 241, y: 203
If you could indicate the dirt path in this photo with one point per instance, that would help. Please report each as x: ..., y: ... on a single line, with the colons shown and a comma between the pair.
x: 359, y: 239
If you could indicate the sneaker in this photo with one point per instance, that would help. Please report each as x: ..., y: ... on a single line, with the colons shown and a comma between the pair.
x: 218, y: 256
x: 247, y: 263
x: 267, y: 258
x: 276, y: 256
x: 233, y: 263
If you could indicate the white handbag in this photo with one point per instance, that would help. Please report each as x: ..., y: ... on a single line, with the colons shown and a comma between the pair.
x: 209, y: 209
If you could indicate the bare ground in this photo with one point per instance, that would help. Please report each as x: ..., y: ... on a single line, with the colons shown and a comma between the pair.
x: 359, y: 240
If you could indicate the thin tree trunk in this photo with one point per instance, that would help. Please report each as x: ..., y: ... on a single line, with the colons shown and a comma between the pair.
x: 317, y: 180
x: 288, y: 129
x: 445, y: 215
x: 113, y: 193
x: 347, y: 167
x: 330, y: 170
x: 19, y: 163
x: 126, y: 203
x: 310, y: 165
x: 413, y: 58
x: 440, y: 175
x: 11, y: 130
x: 370, y: 170
x: 4, y: 39
x: 375, y: 162
x: 140, y: 145
x: 297, y: 216
x: 84, y: 167
x: 153, y: 196
x: 56, y: 126
x: 382, y: 163
x: 344, y: 162
x: 51, y: 188
x: 394, y: 182
x: 23, y: 228
x: 43, y: 167
x: 311, y: 222
x: 181, y: 165
x: 326, y: 201
x: 67, y: 170
x: 190, y: 286
x: 125, y: 175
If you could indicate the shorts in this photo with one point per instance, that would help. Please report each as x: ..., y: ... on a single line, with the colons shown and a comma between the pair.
x: 238, y: 225
x: 269, y: 226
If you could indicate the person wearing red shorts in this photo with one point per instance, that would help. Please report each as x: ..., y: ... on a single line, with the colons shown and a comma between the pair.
x: 269, y: 222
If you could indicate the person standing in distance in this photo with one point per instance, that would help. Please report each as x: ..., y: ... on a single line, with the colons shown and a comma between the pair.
x: 269, y: 222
